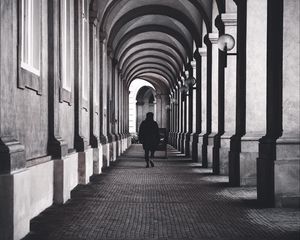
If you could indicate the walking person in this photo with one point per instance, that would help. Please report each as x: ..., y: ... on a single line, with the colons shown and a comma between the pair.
x: 149, y: 137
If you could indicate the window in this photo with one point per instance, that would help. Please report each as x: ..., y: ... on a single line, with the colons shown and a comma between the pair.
x: 84, y: 47
x: 31, y: 33
x: 96, y: 70
x: 66, y: 27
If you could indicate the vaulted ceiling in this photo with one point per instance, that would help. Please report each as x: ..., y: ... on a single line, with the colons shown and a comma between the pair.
x: 154, y: 40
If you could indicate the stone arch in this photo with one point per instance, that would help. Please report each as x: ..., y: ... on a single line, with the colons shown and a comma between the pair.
x: 145, y: 102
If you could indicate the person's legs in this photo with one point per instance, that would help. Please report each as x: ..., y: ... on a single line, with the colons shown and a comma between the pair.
x: 152, y: 164
x: 147, y: 157
x: 152, y: 153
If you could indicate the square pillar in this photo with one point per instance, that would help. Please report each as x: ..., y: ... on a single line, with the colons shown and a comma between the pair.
x: 256, y: 89
x: 202, y: 139
x: 213, y: 38
x: 287, y: 162
x: 230, y: 84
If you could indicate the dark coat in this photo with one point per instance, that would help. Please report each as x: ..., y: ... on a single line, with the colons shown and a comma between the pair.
x: 149, y: 134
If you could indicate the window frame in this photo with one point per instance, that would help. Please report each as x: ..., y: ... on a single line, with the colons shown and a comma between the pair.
x: 84, y: 54
x: 65, y: 93
x: 96, y: 74
x: 28, y: 76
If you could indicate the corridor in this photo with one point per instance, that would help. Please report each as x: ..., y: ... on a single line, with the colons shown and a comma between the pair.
x: 221, y: 78
x: 177, y: 199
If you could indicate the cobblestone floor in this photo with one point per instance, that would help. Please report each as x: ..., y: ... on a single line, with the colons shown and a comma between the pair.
x: 177, y: 199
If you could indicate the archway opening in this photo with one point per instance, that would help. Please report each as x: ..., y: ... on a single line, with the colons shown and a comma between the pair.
x: 142, y: 99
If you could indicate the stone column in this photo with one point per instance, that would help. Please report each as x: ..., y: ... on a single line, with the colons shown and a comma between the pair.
x: 113, y: 109
x: 176, y: 106
x: 189, y: 119
x: 171, y: 118
x: 235, y: 143
x: 256, y: 76
x: 14, y: 178
x: 104, y: 99
x: 202, y: 139
x: 278, y: 165
x: 213, y: 37
x: 82, y: 100
x: 230, y: 85
x: 164, y: 115
x: 110, y: 102
x: 121, y: 112
x: 180, y: 117
x: 159, y: 110
x: 183, y: 123
x: 94, y: 97
x: 119, y: 109
x: 174, y: 121
x: 196, y: 107
x: 287, y: 164
x: 128, y: 143
x: 177, y: 116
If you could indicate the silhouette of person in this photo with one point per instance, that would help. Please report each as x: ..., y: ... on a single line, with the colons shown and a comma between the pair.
x: 149, y: 137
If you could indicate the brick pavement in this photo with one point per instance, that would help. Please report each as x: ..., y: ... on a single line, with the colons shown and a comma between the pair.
x: 177, y: 199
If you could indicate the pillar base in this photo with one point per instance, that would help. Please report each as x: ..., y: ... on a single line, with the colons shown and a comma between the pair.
x: 173, y: 139
x: 65, y: 177
x: 114, y: 149
x: 202, y: 149
x: 216, y: 155
x: 179, y: 141
x: 248, y: 157
x: 186, y: 139
x: 128, y: 141
x: 111, y: 140
x: 41, y: 184
x: 224, y: 154
x: 106, y: 155
x: 85, y: 166
x: 97, y: 159
x: 123, y: 142
x: 210, y: 149
x: 287, y: 171
x: 119, y: 144
x: 287, y: 183
x: 194, y: 146
x: 15, y: 205
x: 234, y: 161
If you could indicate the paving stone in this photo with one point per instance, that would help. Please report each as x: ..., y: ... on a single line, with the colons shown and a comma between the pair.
x: 177, y: 199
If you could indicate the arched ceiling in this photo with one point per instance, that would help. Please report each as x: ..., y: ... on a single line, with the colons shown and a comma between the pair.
x: 153, y: 40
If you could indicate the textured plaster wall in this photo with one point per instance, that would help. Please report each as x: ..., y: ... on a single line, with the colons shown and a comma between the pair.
x: 291, y: 67
x: 256, y: 66
x: 32, y: 109
x: 66, y: 118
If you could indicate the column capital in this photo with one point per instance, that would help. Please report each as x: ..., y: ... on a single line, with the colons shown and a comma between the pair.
x: 114, y: 61
x: 229, y: 19
x: 120, y: 73
x: 110, y: 52
x: 237, y: 2
x: 93, y: 17
x: 193, y: 64
x: 102, y: 36
x: 213, y: 37
x: 140, y: 103
x: 202, y: 51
